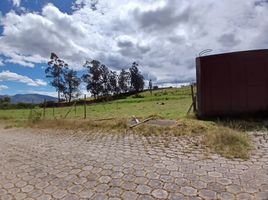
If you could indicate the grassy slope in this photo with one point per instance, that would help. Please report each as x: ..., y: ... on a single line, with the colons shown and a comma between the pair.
x: 176, y: 103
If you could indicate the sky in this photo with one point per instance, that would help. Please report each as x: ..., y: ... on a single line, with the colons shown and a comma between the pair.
x: 163, y: 36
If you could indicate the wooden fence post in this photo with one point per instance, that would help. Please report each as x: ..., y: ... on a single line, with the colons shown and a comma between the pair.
x: 85, y: 107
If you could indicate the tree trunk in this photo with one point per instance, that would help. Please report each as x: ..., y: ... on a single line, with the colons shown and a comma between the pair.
x: 58, y: 96
x: 58, y: 80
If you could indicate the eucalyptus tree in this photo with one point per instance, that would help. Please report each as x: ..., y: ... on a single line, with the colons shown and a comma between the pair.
x: 124, y: 81
x: 55, y: 71
x: 93, y: 78
x: 136, y: 78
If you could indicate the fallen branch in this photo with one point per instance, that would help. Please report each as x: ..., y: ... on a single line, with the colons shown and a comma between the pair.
x: 146, y: 120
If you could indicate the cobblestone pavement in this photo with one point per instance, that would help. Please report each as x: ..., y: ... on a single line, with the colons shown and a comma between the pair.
x: 42, y: 164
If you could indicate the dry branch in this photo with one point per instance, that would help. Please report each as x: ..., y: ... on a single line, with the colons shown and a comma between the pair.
x: 146, y: 120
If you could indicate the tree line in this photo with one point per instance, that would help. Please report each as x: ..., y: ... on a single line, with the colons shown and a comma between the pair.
x: 100, y: 81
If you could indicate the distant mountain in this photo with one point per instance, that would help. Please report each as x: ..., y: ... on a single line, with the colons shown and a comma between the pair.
x: 29, y: 98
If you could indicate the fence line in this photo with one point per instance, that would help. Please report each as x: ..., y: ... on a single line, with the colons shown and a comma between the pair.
x: 64, y: 109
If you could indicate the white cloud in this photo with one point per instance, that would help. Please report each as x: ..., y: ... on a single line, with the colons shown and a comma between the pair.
x: 163, y: 36
x: 11, y: 76
x: 3, y: 87
x: 16, y: 2
x: 52, y: 94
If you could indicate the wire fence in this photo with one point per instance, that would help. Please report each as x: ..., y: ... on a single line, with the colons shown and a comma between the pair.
x: 158, y: 102
x: 50, y: 110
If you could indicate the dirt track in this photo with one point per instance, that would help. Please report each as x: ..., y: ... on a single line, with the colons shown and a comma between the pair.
x: 58, y: 165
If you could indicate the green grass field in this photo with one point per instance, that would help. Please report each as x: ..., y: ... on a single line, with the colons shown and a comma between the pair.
x: 170, y: 103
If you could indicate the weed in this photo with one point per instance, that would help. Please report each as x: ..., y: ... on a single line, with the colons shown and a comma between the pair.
x: 243, y: 125
x: 120, y: 124
x: 34, y: 117
x: 9, y: 126
x: 5, y: 118
x: 155, y: 116
x: 228, y: 143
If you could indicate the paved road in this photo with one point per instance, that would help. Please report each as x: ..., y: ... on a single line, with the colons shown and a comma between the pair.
x: 63, y: 165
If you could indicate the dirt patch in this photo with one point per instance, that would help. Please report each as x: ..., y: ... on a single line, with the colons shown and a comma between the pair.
x: 162, y: 122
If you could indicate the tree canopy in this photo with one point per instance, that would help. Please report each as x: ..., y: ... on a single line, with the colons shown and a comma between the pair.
x: 99, y: 79
x: 63, y: 79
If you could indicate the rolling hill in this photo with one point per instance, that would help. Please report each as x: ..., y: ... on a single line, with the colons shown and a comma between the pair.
x: 29, y: 98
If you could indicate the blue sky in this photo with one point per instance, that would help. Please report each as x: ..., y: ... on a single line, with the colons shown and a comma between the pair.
x: 36, y: 72
x: 35, y: 5
x: 163, y: 36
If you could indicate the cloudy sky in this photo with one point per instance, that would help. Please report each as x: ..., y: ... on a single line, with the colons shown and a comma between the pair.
x: 163, y: 36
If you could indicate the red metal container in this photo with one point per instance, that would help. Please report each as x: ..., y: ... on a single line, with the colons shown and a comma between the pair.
x: 232, y: 83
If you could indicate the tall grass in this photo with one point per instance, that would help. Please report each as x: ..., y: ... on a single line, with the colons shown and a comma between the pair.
x: 228, y: 143
x: 218, y: 139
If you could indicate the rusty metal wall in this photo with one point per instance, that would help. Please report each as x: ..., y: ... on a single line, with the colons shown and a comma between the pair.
x: 232, y: 83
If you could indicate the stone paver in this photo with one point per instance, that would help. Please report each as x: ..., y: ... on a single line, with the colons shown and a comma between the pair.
x: 160, y: 194
x: 207, y: 194
x: 46, y: 164
x: 189, y: 191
